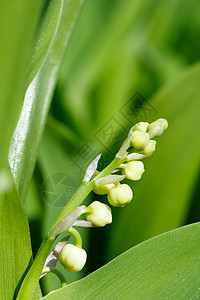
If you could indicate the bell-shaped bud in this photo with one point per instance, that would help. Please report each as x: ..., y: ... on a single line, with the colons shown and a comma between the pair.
x: 134, y: 170
x: 150, y: 148
x: 139, y: 139
x: 120, y: 195
x: 162, y: 123
x: 100, y: 214
x: 103, y: 189
x: 141, y: 126
x: 72, y: 258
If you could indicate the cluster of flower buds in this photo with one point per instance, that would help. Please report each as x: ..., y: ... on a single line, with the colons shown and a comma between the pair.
x: 138, y: 145
x: 141, y: 145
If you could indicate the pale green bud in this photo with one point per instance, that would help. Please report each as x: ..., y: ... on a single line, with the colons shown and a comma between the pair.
x: 142, y: 126
x: 150, y: 148
x: 139, y: 139
x: 72, y: 258
x: 162, y: 123
x: 100, y: 215
x: 134, y: 170
x: 120, y: 195
x: 157, y: 131
x: 103, y: 189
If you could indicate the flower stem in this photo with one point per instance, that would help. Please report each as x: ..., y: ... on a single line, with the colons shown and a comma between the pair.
x: 56, y: 272
x: 30, y: 282
x: 85, y: 188
x: 77, y: 236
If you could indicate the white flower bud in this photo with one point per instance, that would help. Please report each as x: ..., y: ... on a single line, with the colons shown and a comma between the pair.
x: 141, y: 126
x: 101, y: 214
x: 134, y: 170
x: 139, y: 139
x: 72, y: 258
x: 150, y: 148
x: 120, y: 196
x: 103, y: 189
x: 162, y: 123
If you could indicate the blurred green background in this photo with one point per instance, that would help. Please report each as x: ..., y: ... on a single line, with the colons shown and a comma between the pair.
x: 127, y: 61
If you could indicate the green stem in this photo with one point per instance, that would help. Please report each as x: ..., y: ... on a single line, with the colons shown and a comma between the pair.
x: 88, y: 210
x: 117, y: 184
x: 78, y: 197
x: 30, y: 282
x: 85, y: 188
x: 77, y: 236
x: 56, y: 272
x: 117, y: 161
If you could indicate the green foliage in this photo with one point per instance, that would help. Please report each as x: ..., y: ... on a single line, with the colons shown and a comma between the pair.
x: 118, y: 49
x: 163, y: 195
x: 15, y: 249
x: 15, y: 51
x: 164, y: 267
x: 16, y: 40
x: 24, y: 146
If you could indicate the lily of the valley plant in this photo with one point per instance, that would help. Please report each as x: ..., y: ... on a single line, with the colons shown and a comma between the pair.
x: 128, y: 164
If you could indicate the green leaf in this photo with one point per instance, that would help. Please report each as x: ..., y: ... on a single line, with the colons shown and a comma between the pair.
x: 27, y: 136
x: 15, y: 246
x: 18, y: 21
x: 165, y: 267
x: 163, y: 195
x: 45, y: 38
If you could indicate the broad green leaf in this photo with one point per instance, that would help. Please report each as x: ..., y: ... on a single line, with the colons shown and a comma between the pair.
x: 164, y: 267
x: 15, y: 246
x: 24, y: 147
x: 163, y: 195
x: 25, y: 142
x: 18, y: 21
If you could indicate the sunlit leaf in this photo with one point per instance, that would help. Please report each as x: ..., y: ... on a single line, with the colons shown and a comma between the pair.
x: 36, y: 104
x: 27, y: 136
x: 18, y: 21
